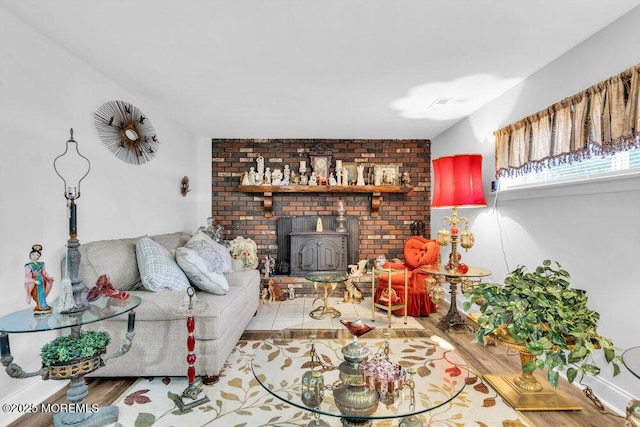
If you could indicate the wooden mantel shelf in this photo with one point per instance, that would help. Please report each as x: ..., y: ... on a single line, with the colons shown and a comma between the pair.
x: 376, y: 192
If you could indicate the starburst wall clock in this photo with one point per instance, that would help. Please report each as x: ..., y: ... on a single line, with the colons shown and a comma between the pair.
x: 126, y: 132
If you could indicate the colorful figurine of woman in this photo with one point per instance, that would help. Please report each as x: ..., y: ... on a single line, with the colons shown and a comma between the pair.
x: 37, y: 282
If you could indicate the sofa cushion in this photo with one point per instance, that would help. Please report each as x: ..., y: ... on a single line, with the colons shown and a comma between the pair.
x: 158, y: 269
x: 117, y: 258
x: 217, y: 256
x: 201, y: 271
x: 172, y: 241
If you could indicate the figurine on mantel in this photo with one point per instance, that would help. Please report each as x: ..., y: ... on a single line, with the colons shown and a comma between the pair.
x: 286, y: 175
x: 360, y: 180
x: 245, y: 179
x: 259, y: 170
x: 267, y: 176
x: 276, y: 177
x: 313, y: 180
x: 37, y: 282
x: 406, y: 179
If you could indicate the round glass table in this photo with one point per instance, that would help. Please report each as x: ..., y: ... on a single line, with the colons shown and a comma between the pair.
x: 328, y: 280
x: 331, y: 373
x: 24, y: 321
x: 631, y: 359
x: 453, y: 320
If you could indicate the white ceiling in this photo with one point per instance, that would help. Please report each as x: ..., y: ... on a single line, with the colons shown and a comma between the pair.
x: 317, y: 68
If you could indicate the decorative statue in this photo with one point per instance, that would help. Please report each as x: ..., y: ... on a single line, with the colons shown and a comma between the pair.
x: 286, y: 175
x: 313, y: 180
x: 275, y: 292
x: 252, y: 176
x: 37, y: 282
x: 245, y: 179
x: 276, y: 177
x: 360, y: 180
x: 294, y: 179
x: 359, y: 269
x: 377, y: 177
x: 406, y: 179
x: 267, y: 175
x: 259, y: 169
x: 345, y: 176
x: 332, y: 179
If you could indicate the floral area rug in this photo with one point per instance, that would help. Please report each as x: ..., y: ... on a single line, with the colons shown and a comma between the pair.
x: 239, y: 400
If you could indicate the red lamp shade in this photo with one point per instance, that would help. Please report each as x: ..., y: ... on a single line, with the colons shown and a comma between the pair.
x: 457, y: 181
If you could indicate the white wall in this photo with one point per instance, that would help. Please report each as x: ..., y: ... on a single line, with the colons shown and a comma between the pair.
x: 44, y: 91
x: 591, y: 230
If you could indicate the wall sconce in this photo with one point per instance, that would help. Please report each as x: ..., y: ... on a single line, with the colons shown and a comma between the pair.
x: 184, y: 186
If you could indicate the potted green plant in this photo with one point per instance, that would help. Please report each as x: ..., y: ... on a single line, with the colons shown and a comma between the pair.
x: 66, y: 349
x: 540, y: 312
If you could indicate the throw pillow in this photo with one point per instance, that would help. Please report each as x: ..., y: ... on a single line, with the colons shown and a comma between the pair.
x: 216, y: 256
x: 201, y: 271
x: 158, y: 269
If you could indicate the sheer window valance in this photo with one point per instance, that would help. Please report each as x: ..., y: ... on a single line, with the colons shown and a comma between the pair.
x: 604, y: 118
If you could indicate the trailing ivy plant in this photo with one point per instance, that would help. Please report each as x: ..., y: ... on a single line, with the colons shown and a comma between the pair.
x: 66, y: 348
x: 540, y: 311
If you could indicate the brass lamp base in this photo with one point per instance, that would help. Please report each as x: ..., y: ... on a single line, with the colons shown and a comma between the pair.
x: 547, y: 399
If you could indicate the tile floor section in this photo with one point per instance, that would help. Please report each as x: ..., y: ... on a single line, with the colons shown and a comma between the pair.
x: 295, y: 313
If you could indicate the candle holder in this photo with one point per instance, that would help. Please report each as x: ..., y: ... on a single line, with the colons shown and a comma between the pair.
x: 341, y: 218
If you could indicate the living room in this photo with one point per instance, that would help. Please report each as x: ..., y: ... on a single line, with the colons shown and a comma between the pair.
x: 45, y: 90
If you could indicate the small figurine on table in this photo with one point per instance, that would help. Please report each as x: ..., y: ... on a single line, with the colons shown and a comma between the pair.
x: 37, y: 282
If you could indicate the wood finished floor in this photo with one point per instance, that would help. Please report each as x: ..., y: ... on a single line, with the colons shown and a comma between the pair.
x: 484, y: 360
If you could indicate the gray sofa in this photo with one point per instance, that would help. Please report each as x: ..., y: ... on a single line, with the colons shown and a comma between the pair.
x: 159, y: 346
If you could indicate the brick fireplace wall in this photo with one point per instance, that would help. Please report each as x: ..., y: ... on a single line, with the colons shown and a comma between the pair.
x: 242, y: 214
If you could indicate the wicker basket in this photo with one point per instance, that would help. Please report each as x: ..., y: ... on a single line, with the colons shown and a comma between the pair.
x: 74, y: 368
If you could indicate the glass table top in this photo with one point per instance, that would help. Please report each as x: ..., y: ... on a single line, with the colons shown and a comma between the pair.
x: 25, y: 321
x: 443, y: 271
x: 326, y: 276
x: 631, y: 359
x: 282, y: 363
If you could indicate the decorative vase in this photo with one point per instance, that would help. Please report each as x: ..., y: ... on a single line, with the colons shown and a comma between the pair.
x: 353, y: 397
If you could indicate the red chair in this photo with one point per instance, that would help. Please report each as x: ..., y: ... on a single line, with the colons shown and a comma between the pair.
x: 418, y: 251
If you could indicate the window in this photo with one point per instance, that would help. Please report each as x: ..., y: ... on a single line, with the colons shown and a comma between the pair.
x: 591, y: 168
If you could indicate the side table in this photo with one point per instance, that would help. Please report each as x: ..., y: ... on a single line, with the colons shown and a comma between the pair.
x: 631, y: 359
x: 23, y: 321
x: 329, y: 280
x: 453, y: 320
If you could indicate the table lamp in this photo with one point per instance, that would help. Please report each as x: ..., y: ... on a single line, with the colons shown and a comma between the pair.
x: 72, y: 167
x: 457, y: 183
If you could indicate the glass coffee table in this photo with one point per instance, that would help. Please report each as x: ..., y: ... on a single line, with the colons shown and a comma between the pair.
x: 328, y: 280
x: 382, y: 375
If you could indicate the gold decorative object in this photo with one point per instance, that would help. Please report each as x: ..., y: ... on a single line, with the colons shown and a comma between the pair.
x: 444, y: 237
x: 353, y: 397
x: 436, y: 290
x: 466, y: 239
x: 524, y: 392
